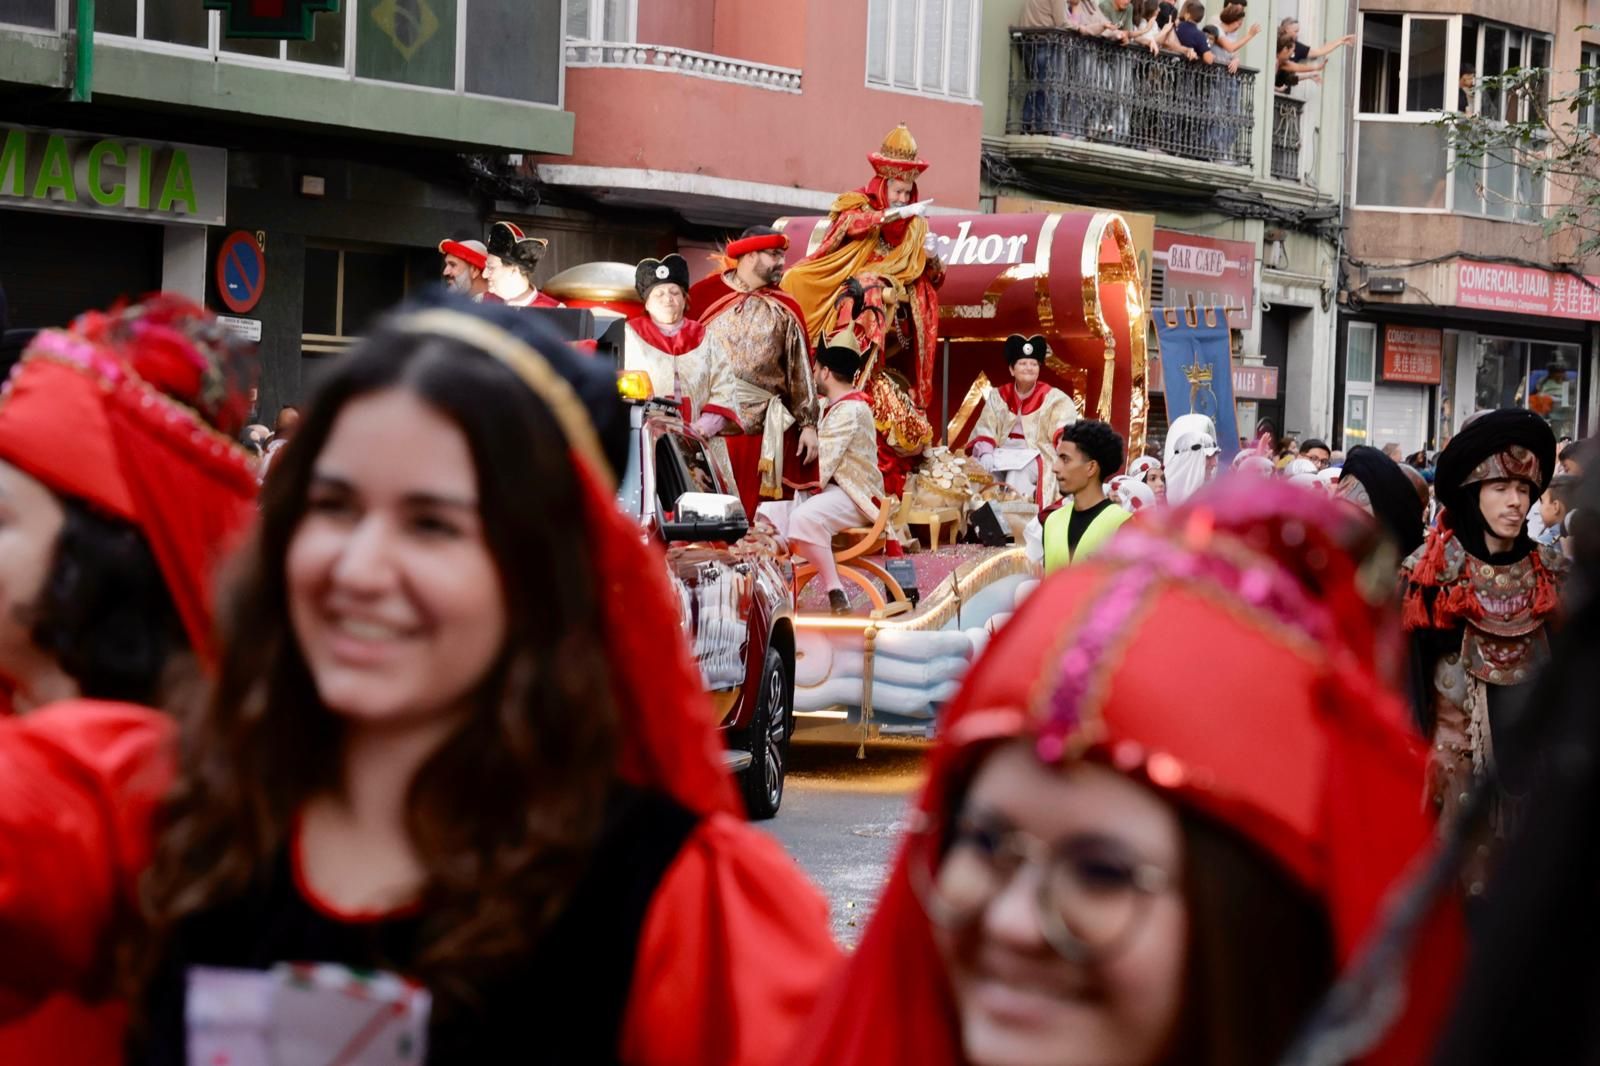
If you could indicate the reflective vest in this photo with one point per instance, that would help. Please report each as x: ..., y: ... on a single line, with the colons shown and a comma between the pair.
x: 1056, y: 552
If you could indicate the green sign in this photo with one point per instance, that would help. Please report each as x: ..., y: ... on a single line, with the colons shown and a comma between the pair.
x: 53, y: 170
x: 283, y: 20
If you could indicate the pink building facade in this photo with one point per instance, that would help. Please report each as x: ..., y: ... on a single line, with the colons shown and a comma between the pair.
x: 695, y: 118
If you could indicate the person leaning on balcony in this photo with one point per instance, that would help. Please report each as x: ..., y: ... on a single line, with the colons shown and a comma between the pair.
x: 1300, y: 60
x: 1286, y: 79
x: 1193, y: 38
x: 1147, y: 29
x: 1229, y: 22
x: 1042, y: 15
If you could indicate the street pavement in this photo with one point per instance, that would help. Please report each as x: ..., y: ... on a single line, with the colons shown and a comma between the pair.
x: 841, y: 818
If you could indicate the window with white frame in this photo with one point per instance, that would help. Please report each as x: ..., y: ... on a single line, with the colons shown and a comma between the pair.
x: 1588, y: 114
x: 602, y: 20
x: 514, y: 45
x: 927, y: 46
x: 1412, y: 68
x: 1500, y: 183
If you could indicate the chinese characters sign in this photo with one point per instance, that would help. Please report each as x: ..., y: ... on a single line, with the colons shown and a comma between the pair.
x: 1215, y: 272
x: 1524, y: 290
x: 1412, y: 354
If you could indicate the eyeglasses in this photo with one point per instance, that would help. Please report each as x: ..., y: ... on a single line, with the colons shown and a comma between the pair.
x: 1092, y: 894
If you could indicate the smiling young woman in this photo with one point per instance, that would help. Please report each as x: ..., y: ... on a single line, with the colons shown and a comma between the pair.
x: 1117, y: 864
x: 454, y: 738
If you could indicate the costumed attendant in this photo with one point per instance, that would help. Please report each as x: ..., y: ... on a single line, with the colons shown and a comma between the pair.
x: 849, y: 488
x: 681, y: 363
x: 1191, y: 455
x: 1379, y: 486
x: 1099, y: 871
x: 1147, y: 469
x: 464, y: 266
x: 1131, y: 494
x: 1479, y: 598
x: 761, y: 332
x: 1088, y: 453
x: 512, y: 259
x: 451, y: 739
x: 1016, y: 433
x: 121, y: 488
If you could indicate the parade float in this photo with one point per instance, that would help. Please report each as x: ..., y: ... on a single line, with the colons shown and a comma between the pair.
x: 1071, y: 276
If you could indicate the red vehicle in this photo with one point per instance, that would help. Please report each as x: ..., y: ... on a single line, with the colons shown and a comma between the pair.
x: 737, y: 599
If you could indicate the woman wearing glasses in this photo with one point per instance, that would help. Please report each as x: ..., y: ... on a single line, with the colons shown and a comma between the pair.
x: 1117, y: 865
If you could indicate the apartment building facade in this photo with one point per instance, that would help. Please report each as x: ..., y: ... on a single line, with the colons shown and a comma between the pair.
x: 1232, y: 189
x: 1453, y: 298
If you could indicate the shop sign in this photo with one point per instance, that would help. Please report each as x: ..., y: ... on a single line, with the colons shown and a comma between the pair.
x: 1249, y: 382
x: 1527, y: 291
x: 1216, y: 273
x: 1412, y: 354
x: 154, y: 181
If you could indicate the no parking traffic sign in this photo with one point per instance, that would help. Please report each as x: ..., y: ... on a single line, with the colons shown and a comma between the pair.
x: 241, y: 272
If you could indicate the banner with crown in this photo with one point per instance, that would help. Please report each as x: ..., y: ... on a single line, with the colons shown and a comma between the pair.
x: 1197, y: 367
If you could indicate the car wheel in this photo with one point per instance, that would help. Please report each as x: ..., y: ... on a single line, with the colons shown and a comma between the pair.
x: 768, y: 740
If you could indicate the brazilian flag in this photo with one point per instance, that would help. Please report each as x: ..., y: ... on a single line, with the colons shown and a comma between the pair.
x: 410, y: 41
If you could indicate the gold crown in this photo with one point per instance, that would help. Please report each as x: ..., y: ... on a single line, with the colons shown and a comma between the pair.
x: 899, y: 144
x: 1198, y: 373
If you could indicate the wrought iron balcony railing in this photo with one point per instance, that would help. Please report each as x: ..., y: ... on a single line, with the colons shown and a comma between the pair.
x: 1086, y: 88
x: 1286, y: 111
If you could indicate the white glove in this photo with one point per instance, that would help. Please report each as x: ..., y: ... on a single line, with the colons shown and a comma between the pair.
x: 983, y: 451
x: 710, y: 425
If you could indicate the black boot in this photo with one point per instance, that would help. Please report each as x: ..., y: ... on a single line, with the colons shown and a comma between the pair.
x: 837, y: 602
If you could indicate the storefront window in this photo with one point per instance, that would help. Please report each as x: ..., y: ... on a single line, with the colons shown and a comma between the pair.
x: 1553, y: 386
x: 1538, y: 375
x: 1500, y: 374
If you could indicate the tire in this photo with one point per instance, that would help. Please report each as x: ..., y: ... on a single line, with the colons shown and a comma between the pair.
x: 768, y: 740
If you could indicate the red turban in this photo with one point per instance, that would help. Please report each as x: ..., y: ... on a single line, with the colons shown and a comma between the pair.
x: 91, y: 412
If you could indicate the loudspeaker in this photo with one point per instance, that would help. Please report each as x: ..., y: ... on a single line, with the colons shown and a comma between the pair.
x: 988, y: 528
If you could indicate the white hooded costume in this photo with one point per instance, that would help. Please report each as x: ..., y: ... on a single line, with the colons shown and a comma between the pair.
x: 1191, y: 440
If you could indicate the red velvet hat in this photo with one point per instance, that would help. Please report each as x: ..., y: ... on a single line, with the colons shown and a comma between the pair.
x: 133, y: 411
x: 1234, y: 654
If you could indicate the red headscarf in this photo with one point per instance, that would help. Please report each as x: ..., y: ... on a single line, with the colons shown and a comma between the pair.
x: 130, y: 411
x: 1226, y: 653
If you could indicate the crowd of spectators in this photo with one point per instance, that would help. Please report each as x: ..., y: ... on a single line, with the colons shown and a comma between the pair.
x: 1180, y: 27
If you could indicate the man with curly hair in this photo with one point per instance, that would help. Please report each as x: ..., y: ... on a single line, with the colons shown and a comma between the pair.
x: 1087, y: 454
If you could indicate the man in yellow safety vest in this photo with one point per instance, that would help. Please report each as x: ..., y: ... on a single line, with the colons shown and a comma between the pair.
x: 1088, y: 453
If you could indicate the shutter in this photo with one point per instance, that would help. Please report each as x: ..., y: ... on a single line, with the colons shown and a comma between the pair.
x: 1399, y: 416
x: 57, y: 266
